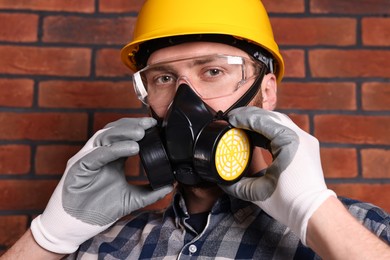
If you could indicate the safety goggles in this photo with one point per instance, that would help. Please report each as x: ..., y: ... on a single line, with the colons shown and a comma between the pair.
x: 211, y: 76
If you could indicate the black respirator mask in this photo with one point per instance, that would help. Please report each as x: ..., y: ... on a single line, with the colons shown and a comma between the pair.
x: 196, y: 144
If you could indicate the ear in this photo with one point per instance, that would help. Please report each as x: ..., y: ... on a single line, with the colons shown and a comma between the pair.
x: 268, y: 91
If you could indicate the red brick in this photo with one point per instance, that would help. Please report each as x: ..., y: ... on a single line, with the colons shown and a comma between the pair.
x: 132, y: 166
x: 284, y: 6
x: 14, y: 159
x: 102, y: 119
x: 97, y: 30
x: 120, y: 6
x: 25, y: 194
x: 350, y: 7
x: 18, y: 27
x: 315, y: 31
x: 16, y: 92
x: 376, y: 96
x: 85, y: 94
x: 376, y: 31
x: 377, y: 194
x: 376, y: 163
x: 317, y: 96
x: 349, y: 63
x: 12, y: 227
x: 109, y: 64
x: 45, y: 61
x: 85, y: 6
x: 52, y: 159
x: 339, y: 162
x: 301, y: 120
x: 43, y: 126
x: 294, y: 62
x: 352, y: 129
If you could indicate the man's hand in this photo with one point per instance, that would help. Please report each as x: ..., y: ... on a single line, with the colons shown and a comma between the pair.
x: 93, y: 192
x: 293, y: 186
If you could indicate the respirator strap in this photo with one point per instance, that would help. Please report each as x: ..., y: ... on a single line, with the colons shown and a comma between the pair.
x: 249, y: 95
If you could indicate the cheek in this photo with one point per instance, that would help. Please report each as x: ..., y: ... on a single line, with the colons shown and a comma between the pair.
x: 160, y: 111
x: 160, y: 108
x: 225, y: 103
x: 221, y: 104
x: 257, y: 101
x: 160, y: 103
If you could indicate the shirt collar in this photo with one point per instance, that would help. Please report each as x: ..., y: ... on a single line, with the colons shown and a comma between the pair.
x: 225, y: 205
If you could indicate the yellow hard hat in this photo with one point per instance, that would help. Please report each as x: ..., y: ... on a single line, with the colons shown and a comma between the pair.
x: 243, y: 19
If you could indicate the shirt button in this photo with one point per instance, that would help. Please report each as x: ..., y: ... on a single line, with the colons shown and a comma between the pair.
x: 193, y: 249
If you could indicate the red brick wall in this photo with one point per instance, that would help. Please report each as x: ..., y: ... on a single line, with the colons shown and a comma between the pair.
x: 61, y: 79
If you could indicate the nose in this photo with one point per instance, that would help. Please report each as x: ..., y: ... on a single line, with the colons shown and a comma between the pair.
x: 183, y: 80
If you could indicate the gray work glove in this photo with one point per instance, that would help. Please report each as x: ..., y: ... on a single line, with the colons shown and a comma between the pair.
x: 293, y: 186
x: 93, y: 192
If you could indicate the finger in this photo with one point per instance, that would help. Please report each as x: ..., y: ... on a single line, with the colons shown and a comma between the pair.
x: 269, y: 123
x: 142, y: 196
x: 145, y: 122
x: 258, y: 120
x: 284, y: 142
x: 253, y: 189
x: 103, y: 155
x: 124, y: 129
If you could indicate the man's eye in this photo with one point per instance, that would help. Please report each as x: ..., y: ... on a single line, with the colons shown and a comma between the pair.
x: 214, y: 72
x: 165, y: 79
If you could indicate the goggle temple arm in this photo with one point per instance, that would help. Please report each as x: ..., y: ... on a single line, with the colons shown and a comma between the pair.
x: 139, y: 86
x: 269, y: 62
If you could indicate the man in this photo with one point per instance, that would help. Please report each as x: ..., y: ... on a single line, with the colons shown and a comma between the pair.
x: 199, y: 64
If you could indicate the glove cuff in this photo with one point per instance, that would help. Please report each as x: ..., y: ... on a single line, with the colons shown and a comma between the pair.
x: 48, y: 242
x: 300, y: 219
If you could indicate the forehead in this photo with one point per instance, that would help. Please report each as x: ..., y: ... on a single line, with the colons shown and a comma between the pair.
x: 193, y: 49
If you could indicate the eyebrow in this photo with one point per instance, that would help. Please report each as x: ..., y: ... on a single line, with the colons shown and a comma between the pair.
x: 203, y: 61
x: 161, y: 68
x: 166, y: 67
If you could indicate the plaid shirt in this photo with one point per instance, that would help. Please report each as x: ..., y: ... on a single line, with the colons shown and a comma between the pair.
x: 235, y: 229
